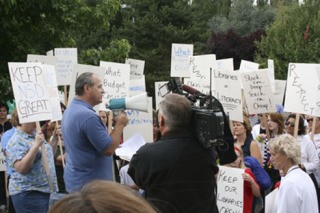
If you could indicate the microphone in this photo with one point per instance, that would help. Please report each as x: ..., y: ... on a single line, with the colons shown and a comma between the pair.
x: 190, y: 90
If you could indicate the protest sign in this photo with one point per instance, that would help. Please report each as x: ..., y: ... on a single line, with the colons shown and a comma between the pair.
x: 157, y: 86
x: 271, y: 73
x: 180, y: 54
x: 200, y: 67
x: 30, y: 91
x: 257, y: 92
x: 44, y: 59
x: 2, y: 160
x: 141, y: 122
x: 230, y: 189
x: 279, y: 89
x: 303, y: 87
x: 270, y: 198
x: 224, y: 64
x: 116, y: 80
x: 78, y: 70
x: 136, y: 68
x: 227, y: 89
x: 129, y: 147
x: 52, y: 87
x: 248, y: 66
x: 66, y: 59
x: 137, y: 86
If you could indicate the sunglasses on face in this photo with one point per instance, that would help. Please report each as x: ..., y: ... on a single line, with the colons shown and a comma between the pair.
x: 308, y: 120
x: 287, y: 123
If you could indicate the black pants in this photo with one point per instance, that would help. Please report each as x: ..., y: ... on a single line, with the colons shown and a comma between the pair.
x: 3, y: 196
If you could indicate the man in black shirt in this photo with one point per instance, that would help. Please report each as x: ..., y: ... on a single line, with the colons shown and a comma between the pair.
x: 176, y: 173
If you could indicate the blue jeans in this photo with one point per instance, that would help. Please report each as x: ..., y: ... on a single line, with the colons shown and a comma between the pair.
x: 31, y: 201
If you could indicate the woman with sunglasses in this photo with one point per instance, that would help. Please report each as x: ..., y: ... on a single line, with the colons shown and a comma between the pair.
x: 309, y: 156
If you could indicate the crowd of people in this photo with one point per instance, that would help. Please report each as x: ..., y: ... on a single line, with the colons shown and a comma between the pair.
x: 173, y: 173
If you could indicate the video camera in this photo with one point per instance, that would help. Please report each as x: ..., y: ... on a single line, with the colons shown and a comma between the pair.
x: 210, y: 124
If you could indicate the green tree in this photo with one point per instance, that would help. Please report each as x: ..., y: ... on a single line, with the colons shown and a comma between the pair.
x: 151, y: 26
x: 244, y: 18
x: 38, y: 26
x: 293, y: 37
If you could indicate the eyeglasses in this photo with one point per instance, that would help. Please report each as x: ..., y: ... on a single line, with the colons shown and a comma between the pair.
x: 287, y: 123
x: 308, y: 120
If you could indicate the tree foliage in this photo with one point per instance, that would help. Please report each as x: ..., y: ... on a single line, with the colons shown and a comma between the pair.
x: 294, y: 37
x: 151, y: 26
x: 244, y: 18
x: 34, y: 27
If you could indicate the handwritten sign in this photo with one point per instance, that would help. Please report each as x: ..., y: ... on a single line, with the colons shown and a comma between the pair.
x: 66, y: 59
x: 180, y: 54
x: 78, y: 70
x: 141, y: 122
x: 248, y: 66
x: 44, y: 59
x: 302, y: 89
x: 224, y: 64
x: 157, y: 86
x: 136, y: 68
x: 30, y: 91
x: 227, y: 89
x: 52, y: 88
x: 116, y: 80
x: 271, y: 73
x: 200, y: 67
x: 230, y: 189
x: 137, y: 86
x: 2, y: 160
x: 257, y: 92
x: 279, y: 89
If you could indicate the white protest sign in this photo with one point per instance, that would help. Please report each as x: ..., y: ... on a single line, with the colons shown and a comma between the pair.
x: 200, y: 67
x: 50, y: 53
x: 302, y: 89
x: 279, y: 89
x: 157, y: 94
x: 248, y: 66
x: 224, y: 64
x: 78, y: 70
x: 2, y: 160
x: 271, y: 73
x: 180, y: 54
x: 230, y: 189
x: 44, y: 59
x: 270, y: 198
x: 116, y: 80
x: 136, y: 68
x: 227, y: 89
x: 257, y: 92
x: 30, y: 91
x: 137, y: 86
x: 52, y: 87
x: 129, y: 147
x: 66, y: 59
x: 141, y: 122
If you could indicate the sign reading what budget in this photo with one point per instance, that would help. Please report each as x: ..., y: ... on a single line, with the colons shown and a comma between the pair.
x: 30, y: 91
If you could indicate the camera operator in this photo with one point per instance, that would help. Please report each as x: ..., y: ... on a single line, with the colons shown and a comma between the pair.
x: 177, y: 173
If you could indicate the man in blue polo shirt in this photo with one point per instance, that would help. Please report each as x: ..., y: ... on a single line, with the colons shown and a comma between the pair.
x: 88, y: 145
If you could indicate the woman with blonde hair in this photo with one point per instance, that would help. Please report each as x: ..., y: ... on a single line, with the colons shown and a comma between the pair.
x: 102, y: 196
x: 296, y: 192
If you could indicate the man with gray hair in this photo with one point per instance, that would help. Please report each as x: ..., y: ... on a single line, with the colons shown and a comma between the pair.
x: 177, y: 173
x: 88, y: 145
